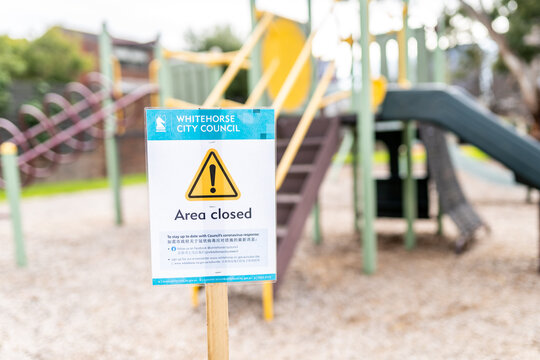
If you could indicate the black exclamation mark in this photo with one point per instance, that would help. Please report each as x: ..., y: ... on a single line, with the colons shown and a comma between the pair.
x: 213, y: 178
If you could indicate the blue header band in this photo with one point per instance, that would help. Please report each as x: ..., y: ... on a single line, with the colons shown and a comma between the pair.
x: 210, y: 124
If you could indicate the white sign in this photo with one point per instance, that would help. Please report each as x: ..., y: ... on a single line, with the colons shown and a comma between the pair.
x: 211, y: 180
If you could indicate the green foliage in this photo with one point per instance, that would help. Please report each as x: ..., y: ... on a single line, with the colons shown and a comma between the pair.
x: 12, y: 64
x: 522, y: 16
x: 55, y: 57
x: 471, y: 60
x: 223, y: 38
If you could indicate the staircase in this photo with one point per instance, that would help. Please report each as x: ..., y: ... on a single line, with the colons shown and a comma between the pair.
x: 299, y: 191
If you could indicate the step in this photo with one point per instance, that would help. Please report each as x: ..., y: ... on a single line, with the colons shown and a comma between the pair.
x: 301, y: 168
x: 288, y: 198
x: 308, y: 141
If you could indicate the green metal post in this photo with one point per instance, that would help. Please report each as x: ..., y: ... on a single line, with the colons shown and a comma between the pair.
x: 384, y: 58
x: 111, y: 147
x: 255, y: 70
x: 440, y: 60
x: 409, y: 186
x: 316, y: 212
x: 422, y: 68
x: 366, y: 136
x: 164, y: 75
x: 409, y: 183
x: 13, y: 192
x: 356, y: 184
x: 317, y: 234
x: 354, y: 108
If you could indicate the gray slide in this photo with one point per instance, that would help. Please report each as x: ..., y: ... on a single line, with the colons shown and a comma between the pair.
x: 456, y: 111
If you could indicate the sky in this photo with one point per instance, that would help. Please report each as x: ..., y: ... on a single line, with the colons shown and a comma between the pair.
x: 142, y: 20
x: 138, y: 20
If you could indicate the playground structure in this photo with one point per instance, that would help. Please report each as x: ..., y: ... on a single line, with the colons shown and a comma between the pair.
x: 305, y: 143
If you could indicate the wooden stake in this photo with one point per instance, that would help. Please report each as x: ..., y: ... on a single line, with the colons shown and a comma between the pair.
x: 217, y: 319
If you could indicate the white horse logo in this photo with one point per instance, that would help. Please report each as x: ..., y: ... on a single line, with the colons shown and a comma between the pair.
x: 160, y: 125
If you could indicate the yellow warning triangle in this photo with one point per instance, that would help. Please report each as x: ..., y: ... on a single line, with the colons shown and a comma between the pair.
x: 212, y: 181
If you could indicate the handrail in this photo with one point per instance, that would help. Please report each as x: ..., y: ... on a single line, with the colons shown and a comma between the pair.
x: 334, y: 97
x: 303, y: 126
x: 263, y: 82
x: 236, y: 63
x: 206, y: 58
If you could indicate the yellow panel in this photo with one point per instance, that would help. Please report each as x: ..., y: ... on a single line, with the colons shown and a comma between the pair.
x: 284, y: 40
x: 379, y: 91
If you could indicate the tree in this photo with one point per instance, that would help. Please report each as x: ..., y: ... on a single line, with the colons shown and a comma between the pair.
x: 519, y: 46
x: 55, y: 57
x: 12, y: 64
x: 225, y: 39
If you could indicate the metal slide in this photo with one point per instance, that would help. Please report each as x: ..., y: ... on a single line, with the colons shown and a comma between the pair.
x: 455, y: 110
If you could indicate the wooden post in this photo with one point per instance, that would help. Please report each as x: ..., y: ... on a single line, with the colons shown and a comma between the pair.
x: 217, y: 319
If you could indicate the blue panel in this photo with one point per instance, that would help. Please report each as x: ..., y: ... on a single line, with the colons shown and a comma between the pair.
x: 210, y: 124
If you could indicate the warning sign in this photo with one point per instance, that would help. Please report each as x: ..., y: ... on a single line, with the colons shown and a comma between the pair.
x: 212, y: 181
x: 212, y: 195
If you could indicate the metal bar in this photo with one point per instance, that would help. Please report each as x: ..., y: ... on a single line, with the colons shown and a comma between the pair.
x: 365, y: 129
x: 12, y: 180
x: 235, y: 65
x: 87, y: 123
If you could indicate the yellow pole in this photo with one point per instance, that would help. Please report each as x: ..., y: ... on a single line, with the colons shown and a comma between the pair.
x: 217, y: 321
x: 303, y: 126
x: 402, y: 50
x: 237, y: 62
x: 268, y: 301
x: 258, y: 91
x: 335, y: 97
